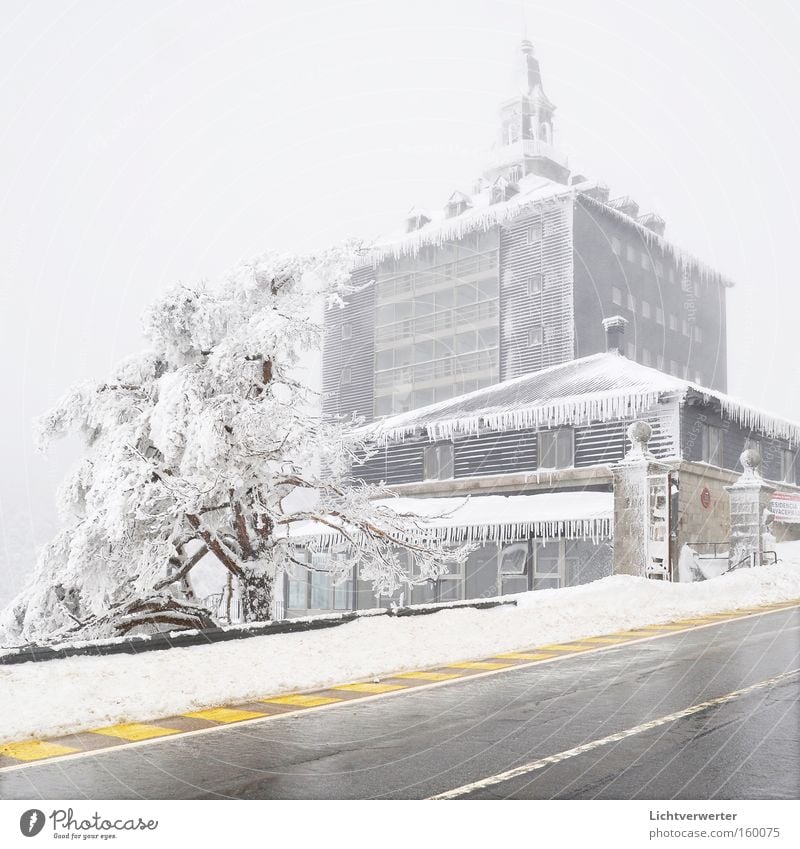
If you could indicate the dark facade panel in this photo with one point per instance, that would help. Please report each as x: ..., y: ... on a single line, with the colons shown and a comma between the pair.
x: 536, y: 321
x: 495, y: 453
x: 348, y: 357
x: 676, y: 322
x: 397, y: 463
x: 734, y: 441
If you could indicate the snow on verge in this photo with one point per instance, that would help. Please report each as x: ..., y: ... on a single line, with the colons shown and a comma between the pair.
x: 57, y: 697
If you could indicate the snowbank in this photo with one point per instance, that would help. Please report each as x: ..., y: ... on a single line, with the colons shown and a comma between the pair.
x: 45, y: 699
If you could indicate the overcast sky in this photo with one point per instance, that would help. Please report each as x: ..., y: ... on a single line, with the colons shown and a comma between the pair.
x: 153, y: 142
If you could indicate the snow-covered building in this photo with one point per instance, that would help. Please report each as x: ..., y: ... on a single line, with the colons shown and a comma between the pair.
x: 528, y: 470
x: 508, y: 342
x: 516, y: 274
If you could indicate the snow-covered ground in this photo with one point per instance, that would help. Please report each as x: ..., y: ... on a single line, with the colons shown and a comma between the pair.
x: 45, y: 699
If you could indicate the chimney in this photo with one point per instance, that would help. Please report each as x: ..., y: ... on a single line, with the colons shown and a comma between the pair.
x: 614, y: 327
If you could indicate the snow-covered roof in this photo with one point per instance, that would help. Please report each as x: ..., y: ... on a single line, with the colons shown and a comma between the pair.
x: 601, y: 387
x: 482, y: 214
x: 495, y: 518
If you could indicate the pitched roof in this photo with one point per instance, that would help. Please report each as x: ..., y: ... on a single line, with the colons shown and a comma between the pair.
x: 601, y: 387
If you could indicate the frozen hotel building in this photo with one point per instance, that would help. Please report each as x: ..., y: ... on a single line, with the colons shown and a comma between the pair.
x: 508, y: 341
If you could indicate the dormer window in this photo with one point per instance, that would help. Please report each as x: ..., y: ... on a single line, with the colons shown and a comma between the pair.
x: 457, y: 204
x: 416, y: 220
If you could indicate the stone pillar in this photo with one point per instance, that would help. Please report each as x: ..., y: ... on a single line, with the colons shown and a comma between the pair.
x: 750, y: 501
x: 631, y: 502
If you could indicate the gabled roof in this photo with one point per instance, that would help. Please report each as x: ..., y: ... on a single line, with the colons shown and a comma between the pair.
x: 602, y: 387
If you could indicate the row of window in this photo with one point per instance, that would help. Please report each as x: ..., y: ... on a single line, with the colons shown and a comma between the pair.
x: 453, y: 296
x: 472, y: 363
x: 647, y: 262
x: 674, y: 324
x: 490, y: 569
x: 446, y: 347
x: 433, y: 277
x: 713, y: 453
x: 555, y: 449
x: 482, y: 314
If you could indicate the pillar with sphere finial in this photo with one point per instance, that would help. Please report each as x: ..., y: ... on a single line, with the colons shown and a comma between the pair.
x: 642, y: 509
x: 750, y: 508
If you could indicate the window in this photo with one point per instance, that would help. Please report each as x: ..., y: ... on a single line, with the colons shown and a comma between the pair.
x: 616, y: 245
x: 712, y: 445
x: 438, y: 461
x: 536, y: 336
x: 685, y: 327
x: 698, y: 334
x: 347, y: 331
x: 630, y: 253
x: 647, y: 357
x: 616, y: 296
x: 660, y: 316
x: 556, y: 448
x: 298, y: 588
x: 347, y: 377
x: 646, y: 309
x: 631, y: 348
x: 534, y: 284
x: 321, y: 591
x: 788, y: 471
x: 660, y: 361
x: 535, y: 232
x: 673, y: 322
x: 631, y: 303
x: 342, y: 595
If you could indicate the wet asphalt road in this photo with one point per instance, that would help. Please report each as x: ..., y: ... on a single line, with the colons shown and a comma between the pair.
x: 429, y: 741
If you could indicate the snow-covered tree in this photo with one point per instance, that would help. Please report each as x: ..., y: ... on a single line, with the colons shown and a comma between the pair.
x: 198, y: 448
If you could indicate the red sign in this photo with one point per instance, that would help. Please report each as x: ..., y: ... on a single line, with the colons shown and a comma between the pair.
x: 705, y: 497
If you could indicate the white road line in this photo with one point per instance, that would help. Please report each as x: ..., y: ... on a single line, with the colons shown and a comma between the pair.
x: 612, y: 738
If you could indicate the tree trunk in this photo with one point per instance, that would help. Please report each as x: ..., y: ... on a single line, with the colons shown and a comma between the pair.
x: 256, y: 589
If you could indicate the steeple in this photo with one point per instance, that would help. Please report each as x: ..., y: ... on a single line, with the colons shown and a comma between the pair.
x: 525, y: 144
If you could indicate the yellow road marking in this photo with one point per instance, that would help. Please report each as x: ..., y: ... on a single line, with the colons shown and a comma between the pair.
x: 134, y: 731
x: 478, y: 664
x: 301, y: 700
x: 560, y: 648
x: 428, y: 676
x: 671, y: 627
x: 224, y: 714
x: 368, y: 687
x: 34, y: 750
x: 632, y: 634
x: 600, y: 640
x: 523, y: 655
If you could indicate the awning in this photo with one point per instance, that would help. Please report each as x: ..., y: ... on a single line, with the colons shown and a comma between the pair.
x: 494, y: 518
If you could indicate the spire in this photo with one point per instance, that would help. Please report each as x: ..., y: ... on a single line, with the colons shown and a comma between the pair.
x: 525, y: 143
x: 531, y: 77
